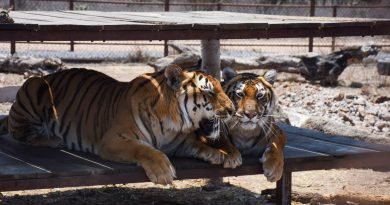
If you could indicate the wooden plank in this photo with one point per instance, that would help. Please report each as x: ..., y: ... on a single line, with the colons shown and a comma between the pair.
x: 55, y: 161
x: 11, y: 166
x: 332, y: 138
x: 325, y: 147
x: 376, y: 161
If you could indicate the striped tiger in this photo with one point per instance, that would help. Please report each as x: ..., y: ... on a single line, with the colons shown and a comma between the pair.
x: 252, y: 128
x: 142, y: 121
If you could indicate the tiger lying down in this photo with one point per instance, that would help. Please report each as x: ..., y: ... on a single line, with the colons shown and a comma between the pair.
x: 142, y: 121
x: 252, y: 129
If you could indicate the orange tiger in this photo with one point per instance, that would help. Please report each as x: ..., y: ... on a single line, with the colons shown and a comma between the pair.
x: 252, y: 129
x: 140, y: 121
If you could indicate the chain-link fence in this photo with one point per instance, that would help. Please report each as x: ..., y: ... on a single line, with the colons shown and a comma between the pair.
x: 141, y: 50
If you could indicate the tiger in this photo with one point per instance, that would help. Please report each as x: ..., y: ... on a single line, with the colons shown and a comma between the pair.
x: 143, y: 121
x: 252, y: 128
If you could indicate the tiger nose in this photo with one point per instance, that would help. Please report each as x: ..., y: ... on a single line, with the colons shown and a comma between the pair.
x: 250, y: 115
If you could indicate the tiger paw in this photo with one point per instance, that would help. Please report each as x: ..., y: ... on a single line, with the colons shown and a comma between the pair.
x: 272, y: 165
x: 232, y: 160
x: 213, y: 156
x: 159, y: 170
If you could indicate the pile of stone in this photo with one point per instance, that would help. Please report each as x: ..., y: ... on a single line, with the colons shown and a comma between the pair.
x: 305, y: 103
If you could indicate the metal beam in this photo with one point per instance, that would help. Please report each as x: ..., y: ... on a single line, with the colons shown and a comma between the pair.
x: 105, y: 35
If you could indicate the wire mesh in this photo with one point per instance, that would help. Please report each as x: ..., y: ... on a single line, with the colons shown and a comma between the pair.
x: 145, y: 50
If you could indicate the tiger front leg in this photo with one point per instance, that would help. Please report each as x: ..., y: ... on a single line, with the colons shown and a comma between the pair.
x: 232, y: 156
x: 125, y: 149
x: 273, y: 157
x: 200, y: 148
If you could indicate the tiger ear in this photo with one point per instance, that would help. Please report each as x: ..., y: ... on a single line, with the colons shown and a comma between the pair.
x: 174, y: 76
x: 270, y: 76
x: 228, y: 73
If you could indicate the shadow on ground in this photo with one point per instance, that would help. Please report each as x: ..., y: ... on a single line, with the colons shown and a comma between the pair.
x: 225, y: 194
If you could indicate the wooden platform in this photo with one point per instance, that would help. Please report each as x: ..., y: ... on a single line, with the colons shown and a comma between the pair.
x: 24, y: 167
x: 97, y: 25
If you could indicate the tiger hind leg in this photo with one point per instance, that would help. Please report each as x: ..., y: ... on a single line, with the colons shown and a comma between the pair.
x: 31, y: 114
x: 28, y: 134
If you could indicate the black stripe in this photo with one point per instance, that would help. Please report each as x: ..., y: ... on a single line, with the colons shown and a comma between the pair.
x: 161, y: 128
x: 145, y: 81
x: 23, y: 107
x: 147, y: 125
x: 195, y: 100
x: 180, y: 145
x: 185, y: 104
x: 80, y: 122
x: 86, y: 91
x: 32, y: 104
x: 92, y: 148
x: 53, y: 125
x: 70, y: 103
x: 41, y: 91
x: 92, y: 100
x: 78, y: 133
x: 61, y: 88
x: 153, y: 104
x: 122, y: 92
x: 73, y: 146
x: 205, y: 100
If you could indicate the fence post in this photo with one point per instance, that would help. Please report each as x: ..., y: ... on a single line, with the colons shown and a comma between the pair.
x: 312, y: 13
x: 166, y: 8
x: 71, y: 7
x: 219, y: 5
x: 334, y: 38
x: 12, y: 43
x: 12, y: 4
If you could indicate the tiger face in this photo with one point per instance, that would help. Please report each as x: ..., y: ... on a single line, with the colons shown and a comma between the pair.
x: 205, y: 103
x: 253, y: 98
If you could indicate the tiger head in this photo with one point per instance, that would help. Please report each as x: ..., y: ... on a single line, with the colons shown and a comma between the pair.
x: 253, y: 97
x: 202, y: 101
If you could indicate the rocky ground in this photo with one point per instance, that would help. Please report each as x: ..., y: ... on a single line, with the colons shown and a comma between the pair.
x: 359, y: 107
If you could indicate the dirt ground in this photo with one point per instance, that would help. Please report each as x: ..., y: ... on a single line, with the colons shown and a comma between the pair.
x: 346, y: 186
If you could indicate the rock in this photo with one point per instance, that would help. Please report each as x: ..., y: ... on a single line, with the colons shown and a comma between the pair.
x: 30, y: 66
x: 350, y: 97
x: 339, y: 97
x: 384, y: 116
x: 296, y: 119
x: 368, y: 90
x: 346, y: 118
x: 184, y: 60
x: 383, y: 66
x: 280, y: 115
x: 336, y: 128
x: 381, y: 99
x: 323, y: 124
x: 370, y: 120
x: 381, y: 125
x: 371, y: 110
x: 359, y: 101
